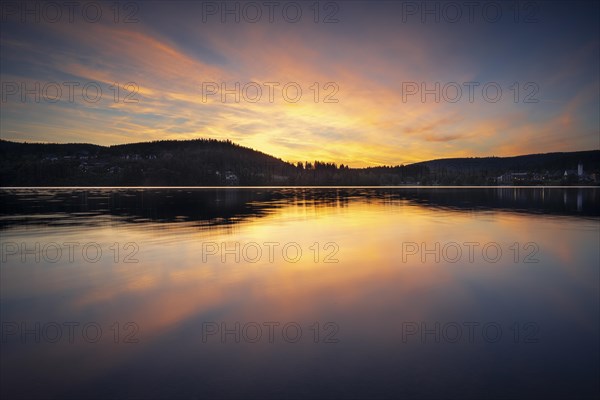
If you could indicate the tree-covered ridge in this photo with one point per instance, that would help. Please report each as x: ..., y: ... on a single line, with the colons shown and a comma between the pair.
x: 210, y: 162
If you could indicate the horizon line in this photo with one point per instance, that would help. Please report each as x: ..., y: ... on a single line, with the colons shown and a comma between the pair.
x: 289, y: 162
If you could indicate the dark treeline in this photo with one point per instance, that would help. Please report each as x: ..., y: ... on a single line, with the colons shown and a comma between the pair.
x: 531, y: 169
x: 209, y: 162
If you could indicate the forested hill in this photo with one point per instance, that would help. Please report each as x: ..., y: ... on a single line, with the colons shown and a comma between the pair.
x: 548, y: 168
x: 200, y: 162
x: 208, y: 162
x: 190, y: 162
x: 530, y: 162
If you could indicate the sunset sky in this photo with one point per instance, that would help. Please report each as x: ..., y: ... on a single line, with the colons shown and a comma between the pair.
x: 174, y: 52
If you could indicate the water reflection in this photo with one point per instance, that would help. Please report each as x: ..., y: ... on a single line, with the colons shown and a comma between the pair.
x: 228, y: 206
x: 376, y: 289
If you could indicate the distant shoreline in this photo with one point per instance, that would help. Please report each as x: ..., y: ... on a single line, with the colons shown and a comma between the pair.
x: 311, y: 187
x: 216, y: 163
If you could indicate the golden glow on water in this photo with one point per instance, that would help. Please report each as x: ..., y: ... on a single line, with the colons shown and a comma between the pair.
x: 174, y: 281
x: 371, y: 286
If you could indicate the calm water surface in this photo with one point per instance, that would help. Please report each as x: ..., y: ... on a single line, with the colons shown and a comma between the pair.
x: 295, y: 293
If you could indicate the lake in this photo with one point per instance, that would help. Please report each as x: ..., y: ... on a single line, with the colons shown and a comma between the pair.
x: 412, y: 293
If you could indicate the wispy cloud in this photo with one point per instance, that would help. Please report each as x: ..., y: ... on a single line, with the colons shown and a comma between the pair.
x: 367, y: 59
